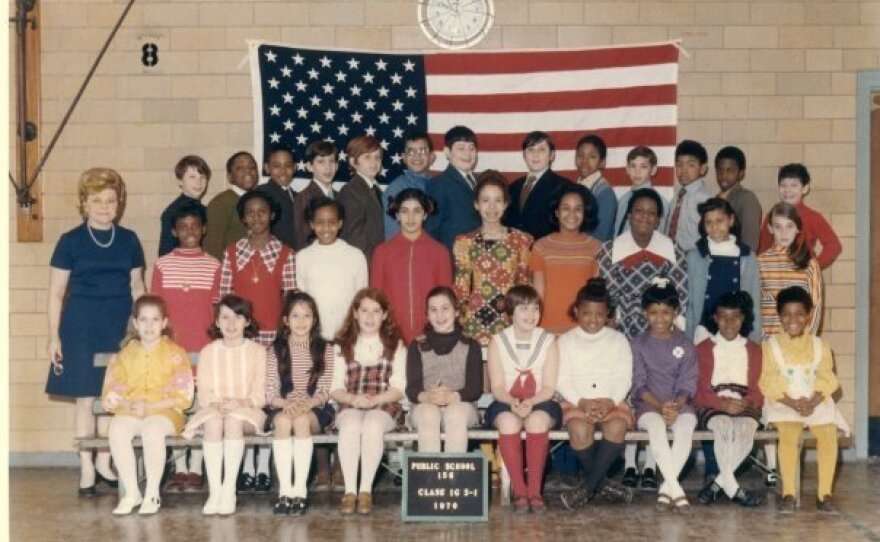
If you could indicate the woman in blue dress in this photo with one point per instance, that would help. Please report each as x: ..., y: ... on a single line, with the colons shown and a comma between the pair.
x: 96, y: 270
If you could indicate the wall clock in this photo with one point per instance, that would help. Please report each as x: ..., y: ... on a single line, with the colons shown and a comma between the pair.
x: 456, y: 24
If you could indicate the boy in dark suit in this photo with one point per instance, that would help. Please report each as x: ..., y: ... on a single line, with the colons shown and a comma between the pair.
x: 280, y: 167
x: 364, y: 225
x: 531, y: 196
x: 322, y: 161
x: 453, y: 190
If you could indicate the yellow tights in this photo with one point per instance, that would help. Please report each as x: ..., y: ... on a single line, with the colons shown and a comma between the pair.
x: 826, y: 455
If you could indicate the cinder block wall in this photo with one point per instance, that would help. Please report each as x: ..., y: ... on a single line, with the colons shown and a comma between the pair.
x: 777, y: 78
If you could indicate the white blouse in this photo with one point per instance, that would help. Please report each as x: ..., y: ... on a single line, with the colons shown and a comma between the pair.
x: 525, y: 355
x: 731, y: 361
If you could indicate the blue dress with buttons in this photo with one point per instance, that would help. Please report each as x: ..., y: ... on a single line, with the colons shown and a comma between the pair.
x: 723, y: 278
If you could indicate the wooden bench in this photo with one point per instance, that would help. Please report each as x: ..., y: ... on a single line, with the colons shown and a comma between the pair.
x: 401, y: 440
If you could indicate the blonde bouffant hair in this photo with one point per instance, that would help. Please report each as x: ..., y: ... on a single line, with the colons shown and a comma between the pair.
x: 96, y: 180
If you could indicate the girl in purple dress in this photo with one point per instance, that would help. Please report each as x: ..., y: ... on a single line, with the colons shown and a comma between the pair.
x: 664, y: 384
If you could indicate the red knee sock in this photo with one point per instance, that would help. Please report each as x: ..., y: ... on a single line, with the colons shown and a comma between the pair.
x: 537, y: 445
x: 511, y: 453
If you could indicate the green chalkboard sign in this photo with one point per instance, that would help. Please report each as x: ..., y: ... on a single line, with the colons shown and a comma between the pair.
x: 445, y: 487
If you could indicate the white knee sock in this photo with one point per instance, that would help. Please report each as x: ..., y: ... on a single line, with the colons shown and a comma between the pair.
x: 232, y: 452
x: 281, y: 448
x: 180, y: 461
x: 248, y: 466
x: 195, y: 461
x: 302, y: 460
x: 214, y: 472
x: 629, y: 456
x: 770, y: 452
x: 263, y: 459
x: 650, y: 462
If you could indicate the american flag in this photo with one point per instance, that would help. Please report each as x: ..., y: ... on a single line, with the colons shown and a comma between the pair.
x: 627, y: 95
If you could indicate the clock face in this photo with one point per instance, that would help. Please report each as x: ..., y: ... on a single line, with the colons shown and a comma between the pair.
x: 456, y: 24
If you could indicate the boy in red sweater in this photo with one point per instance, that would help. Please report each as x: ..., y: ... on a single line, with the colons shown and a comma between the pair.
x: 794, y: 184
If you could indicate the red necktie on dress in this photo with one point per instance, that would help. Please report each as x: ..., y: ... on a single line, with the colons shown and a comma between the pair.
x: 676, y: 213
x: 527, y: 189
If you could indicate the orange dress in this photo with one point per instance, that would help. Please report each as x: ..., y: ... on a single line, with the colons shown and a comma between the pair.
x: 567, y: 261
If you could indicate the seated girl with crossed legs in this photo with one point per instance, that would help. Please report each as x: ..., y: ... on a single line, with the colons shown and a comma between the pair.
x: 664, y: 384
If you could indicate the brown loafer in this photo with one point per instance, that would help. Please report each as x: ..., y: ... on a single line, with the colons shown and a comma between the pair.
x: 365, y: 503
x: 348, y: 504
x: 322, y: 482
x: 787, y: 505
x: 826, y: 505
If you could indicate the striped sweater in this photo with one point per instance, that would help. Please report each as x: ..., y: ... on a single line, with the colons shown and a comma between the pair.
x: 188, y: 281
x: 777, y: 273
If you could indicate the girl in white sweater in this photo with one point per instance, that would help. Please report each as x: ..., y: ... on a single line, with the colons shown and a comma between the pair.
x: 595, y: 376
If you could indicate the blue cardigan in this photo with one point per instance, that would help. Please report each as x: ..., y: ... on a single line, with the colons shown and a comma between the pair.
x: 698, y: 281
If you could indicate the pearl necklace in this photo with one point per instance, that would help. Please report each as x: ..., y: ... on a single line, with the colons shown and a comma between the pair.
x: 95, y: 239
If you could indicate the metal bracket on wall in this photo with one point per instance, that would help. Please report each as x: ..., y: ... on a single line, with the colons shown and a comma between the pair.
x: 26, y: 128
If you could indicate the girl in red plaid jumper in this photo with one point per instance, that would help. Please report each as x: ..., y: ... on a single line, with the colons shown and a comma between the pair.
x: 369, y: 376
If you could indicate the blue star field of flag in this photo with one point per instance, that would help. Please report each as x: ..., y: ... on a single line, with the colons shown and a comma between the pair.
x: 311, y: 95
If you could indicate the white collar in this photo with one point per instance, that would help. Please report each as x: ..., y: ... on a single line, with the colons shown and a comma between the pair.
x: 235, y: 188
x: 625, y: 246
x: 724, y: 248
x: 590, y: 180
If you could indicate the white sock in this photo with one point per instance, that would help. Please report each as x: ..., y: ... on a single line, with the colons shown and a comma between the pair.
x: 650, y: 461
x: 770, y: 452
x: 213, y: 466
x: 263, y: 460
x: 102, y: 465
x: 281, y: 448
x: 248, y: 466
x: 629, y: 456
x: 302, y: 460
x: 195, y: 461
x: 180, y: 462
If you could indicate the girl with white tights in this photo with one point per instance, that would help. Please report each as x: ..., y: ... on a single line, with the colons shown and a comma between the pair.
x: 369, y: 376
x: 147, y: 386
x: 232, y: 376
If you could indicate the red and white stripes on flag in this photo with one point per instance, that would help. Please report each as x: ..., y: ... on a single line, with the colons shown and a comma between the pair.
x: 627, y: 95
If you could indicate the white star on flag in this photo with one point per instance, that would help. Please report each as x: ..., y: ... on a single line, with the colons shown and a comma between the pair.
x: 298, y: 59
x: 274, y: 110
x: 325, y: 62
x: 273, y: 83
x: 353, y: 64
x: 381, y: 64
x: 409, y: 65
x: 286, y: 71
x: 396, y: 78
x: 270, y: 56
x: 316, y: 128
x: 288, y: 125
x: 275, y: 137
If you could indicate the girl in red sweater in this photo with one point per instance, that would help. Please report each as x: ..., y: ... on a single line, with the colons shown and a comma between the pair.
x: 410, y: 264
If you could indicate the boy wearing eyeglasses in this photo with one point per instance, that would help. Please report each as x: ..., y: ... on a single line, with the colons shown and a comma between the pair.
x: 418, y: 155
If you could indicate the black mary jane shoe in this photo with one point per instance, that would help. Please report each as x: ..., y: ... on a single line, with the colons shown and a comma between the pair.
x: 87, y: 492
x: 282, y: 506
x: 649, y: 480
x: 244, y: 483
x: 112, y: 484
x: 710, y: 493
x: 630, y: 478
x: 748, y: 499
x: 298, y: 507
x: 263, y: 484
